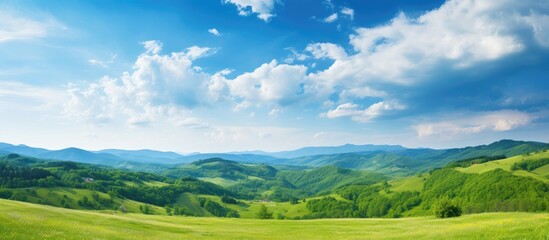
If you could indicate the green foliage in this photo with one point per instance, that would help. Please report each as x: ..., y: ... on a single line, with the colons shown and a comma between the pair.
x: 495, y: 190
x: 445, y: 209
x: 530, y: 165
x: 329, y: 207
x: 475, y: 160
x: 217, y: 167
x: 228, y: 200
x: 264, y: 213
x: 215, y: 208
x: 145, y: 209
x: 325, y: 179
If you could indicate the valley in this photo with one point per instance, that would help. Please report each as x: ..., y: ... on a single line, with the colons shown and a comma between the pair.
x: 484, y: 180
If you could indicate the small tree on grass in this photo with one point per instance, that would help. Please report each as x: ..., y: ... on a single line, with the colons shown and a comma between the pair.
x: 146, y: 209
x: 445, y: 209
x: 264, y: 213
x: 123, y: 209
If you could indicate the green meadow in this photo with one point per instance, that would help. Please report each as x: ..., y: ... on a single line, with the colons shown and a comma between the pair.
x: 20, y: 220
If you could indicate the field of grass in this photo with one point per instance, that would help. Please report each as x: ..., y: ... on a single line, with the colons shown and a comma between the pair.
x: 410, y: 184
x: 20, y: 220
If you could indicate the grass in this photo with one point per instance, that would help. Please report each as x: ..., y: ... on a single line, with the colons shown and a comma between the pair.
x: 191, y: 204
x: 54, y: 195
x: 20, y: 220
x: 224, y: 182
x: 541, y: 173
x: 410, y: 184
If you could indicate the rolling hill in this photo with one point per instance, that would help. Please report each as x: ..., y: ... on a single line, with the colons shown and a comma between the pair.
x: 411, y: 161
x: 27, y: 221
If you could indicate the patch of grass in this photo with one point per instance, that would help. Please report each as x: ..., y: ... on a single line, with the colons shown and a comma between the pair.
x: 191, y: 205
x: 410, y: 184
x: 20, y: 220
x: 224, y: 182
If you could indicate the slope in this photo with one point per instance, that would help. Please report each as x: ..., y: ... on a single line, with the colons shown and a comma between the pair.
x: 29, y: 221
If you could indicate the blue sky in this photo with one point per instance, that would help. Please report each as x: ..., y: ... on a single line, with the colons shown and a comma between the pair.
x: 231, y: 75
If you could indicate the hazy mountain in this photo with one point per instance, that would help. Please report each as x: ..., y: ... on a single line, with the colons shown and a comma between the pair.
x: 144, y: 155
x: 251, y: 158
x: 22, y: 149
x: 347, y: 148
x: 80, y: 155
x: 388, y: 159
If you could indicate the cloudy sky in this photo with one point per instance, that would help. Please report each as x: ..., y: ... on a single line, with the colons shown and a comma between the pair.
x: 232, y: 75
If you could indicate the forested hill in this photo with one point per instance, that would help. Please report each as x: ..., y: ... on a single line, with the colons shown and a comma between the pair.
x: 411, y: 161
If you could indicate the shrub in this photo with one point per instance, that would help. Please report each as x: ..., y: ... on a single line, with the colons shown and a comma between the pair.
x: 264, y: 213
x: 445, y: 209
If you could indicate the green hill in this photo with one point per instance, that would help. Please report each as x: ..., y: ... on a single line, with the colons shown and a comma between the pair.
x: 222, y: 172
x: 507, y: 164
x: 410, y: 161
x: 29, y: 221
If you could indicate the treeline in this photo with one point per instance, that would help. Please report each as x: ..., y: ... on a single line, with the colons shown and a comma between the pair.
x: 475, y: 160
x: 364, y: 201
x: 216, y: 209
x: 18, y: 172
x: 530, y: 165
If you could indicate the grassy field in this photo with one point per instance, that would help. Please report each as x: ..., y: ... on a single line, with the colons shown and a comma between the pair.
x: 411, y: 183
x: 20, y: 220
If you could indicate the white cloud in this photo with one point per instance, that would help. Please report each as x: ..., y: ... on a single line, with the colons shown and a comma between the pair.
x: 295, y: 56
x: 331, y: 18
x: 407, y: 52
x: 364, y: 115
x: 160, y: 85
x: 348, y: 12
x: 275, y: 112
x: 328, y: 4
x: 271, y: 83
x: 101, y: 63
x: 29, y: 97
x: 263, y: 8
x: 13, y: 26
x: 497, y: 121
x: 214, y: 32
x: 326, y: 50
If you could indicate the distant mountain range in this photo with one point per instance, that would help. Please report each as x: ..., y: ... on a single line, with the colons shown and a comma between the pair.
x: 388, y: 159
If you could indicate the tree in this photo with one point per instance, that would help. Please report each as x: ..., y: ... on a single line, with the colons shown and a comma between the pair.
x: 123, y: 209
x: 445, y: 209
x: 264, y: 213
x: 146, y: 209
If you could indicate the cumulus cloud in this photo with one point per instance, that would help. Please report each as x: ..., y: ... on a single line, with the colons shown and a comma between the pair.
x: 159, y: 85
x: 271, y: 83
x: 214, y: 31
x: 414, y: 55
x: 263, y: 8
x: 498, y: 121
x: 326, y: 50
x: 390, y: 65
